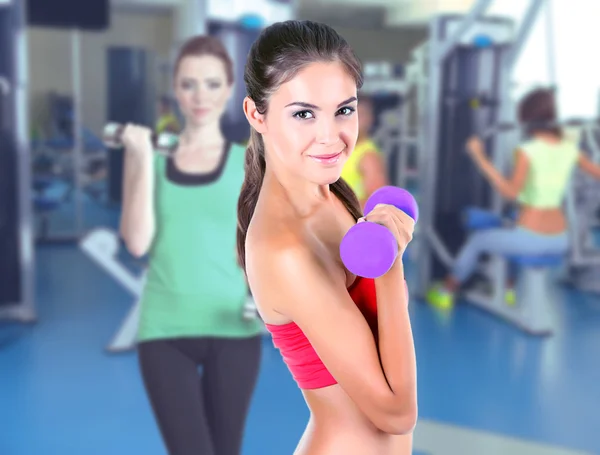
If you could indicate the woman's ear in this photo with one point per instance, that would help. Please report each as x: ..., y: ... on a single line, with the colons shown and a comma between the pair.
x: 255, y: 118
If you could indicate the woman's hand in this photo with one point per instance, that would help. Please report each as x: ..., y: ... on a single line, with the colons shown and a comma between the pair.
x: 137, y: 140
x: 476, y: 149
x: 399, y: 223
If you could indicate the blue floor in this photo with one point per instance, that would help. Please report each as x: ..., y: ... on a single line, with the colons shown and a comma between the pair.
x: 61, y: 393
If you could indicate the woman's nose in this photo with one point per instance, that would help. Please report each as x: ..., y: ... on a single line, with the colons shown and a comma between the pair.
x: 327, y: 133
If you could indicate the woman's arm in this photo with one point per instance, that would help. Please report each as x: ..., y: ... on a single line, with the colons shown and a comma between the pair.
x: 508, y: 188
x: 137, y: 224
x: 381, y: 383
x: 588, y: 166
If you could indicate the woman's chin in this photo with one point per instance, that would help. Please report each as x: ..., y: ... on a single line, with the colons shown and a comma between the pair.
x: 329, y: 177
x: 198, y: 121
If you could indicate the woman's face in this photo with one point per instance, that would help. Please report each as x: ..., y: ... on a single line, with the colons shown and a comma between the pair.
x: 201, y: 89
x: 311, y: 124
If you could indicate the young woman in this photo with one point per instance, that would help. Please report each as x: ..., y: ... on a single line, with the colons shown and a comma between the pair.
x: 365, y: 169
x: 543, y: 167
x: 181, y: 210
x: 167, y: 120
x: 356, y: 368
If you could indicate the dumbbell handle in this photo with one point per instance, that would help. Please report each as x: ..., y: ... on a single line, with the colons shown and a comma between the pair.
x: 112, y: 134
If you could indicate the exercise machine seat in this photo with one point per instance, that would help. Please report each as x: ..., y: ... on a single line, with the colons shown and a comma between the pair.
x: 476, y: 219
x: 538, y: 261
x: 51, y: 197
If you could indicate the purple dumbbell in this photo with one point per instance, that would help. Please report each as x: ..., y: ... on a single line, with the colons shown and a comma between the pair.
x: 370, y: 249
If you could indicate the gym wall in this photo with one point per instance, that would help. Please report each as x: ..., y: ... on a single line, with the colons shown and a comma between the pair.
x: 392, y: 45
x: 50, y: 58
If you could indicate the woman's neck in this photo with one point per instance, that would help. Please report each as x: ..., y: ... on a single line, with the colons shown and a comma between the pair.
x: 549, y: 137
x: 302, y: 195
x: 201, y: 136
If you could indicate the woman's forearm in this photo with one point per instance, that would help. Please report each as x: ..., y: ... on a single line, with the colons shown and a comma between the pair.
x: 496, y: 179
x: 396, y: 344
x: 137, y: 219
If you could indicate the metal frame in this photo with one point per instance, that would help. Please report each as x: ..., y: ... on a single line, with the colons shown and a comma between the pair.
x: 550, y: 45
x: 415, y: 97
x: 77, y: 129
x: 25, y: 310
x: 428, y: 121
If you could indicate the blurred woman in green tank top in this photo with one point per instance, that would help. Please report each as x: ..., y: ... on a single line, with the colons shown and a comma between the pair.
x: 181, y: 210
x: 543, y: 167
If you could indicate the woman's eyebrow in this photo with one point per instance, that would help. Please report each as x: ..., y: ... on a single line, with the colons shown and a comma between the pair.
x: 313, y: 106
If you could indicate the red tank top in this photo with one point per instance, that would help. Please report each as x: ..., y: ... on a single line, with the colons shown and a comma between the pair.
x: 297, y: 352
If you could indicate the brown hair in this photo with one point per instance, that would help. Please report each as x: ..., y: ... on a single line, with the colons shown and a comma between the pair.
x: 200, y: 45
x: 537, y: 110
x: 278, y: 54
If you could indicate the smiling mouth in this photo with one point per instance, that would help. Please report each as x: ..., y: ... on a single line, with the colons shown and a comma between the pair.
x: 327, y: 159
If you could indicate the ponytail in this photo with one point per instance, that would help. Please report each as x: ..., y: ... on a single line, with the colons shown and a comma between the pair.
x: 254, y: 168
x: 347, y: 196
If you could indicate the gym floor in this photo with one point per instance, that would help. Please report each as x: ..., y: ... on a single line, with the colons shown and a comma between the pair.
x: 484, y: 387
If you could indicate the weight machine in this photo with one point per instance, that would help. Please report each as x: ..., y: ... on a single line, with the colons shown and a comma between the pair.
x: 471, y: 60
x: 583, y: 209
x: 17, y: 263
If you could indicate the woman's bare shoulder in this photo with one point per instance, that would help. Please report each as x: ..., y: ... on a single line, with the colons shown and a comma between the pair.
x: 277, y: 256
x: 269, y: 233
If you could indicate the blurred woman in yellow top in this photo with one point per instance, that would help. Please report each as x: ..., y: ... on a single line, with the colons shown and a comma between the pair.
x: 365, y: 169
x: 167, y: 120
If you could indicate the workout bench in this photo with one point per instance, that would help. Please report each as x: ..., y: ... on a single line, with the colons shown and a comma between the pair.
x: 535, y: 302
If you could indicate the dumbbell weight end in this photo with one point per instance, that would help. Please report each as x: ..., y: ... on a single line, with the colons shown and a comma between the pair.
x: 369, y: 249
x: 111, y: 135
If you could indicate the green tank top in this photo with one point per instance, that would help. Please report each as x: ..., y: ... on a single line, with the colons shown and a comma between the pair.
x: 550, y: 170
x: 194, y: 285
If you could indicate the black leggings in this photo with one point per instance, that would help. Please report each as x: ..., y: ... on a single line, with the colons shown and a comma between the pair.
x: 201, y: 414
